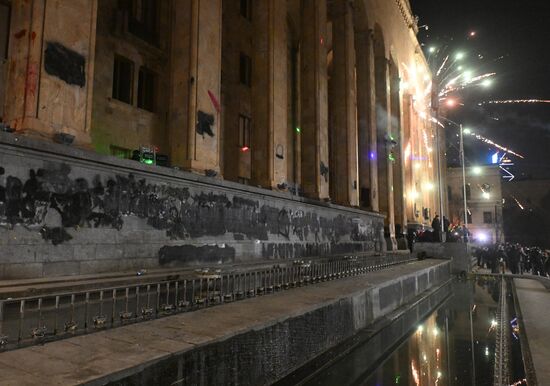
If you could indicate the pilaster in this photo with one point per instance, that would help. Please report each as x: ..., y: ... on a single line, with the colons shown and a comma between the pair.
x: 269, y: 90
x: 195, y: 112
x: 366, y: 125
x: 314, y: 107
x: 343, y: 131
x: 384, y: 144
x: 51, y: 70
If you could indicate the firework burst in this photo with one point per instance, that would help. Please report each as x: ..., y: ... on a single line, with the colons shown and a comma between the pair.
x: 515, y: 101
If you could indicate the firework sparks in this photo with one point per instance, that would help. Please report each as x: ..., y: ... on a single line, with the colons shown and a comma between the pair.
x: 455, y: 85
x: 519, y: 204
x: 442, y: 66
x: 493, y: 143
x: 514, y: 101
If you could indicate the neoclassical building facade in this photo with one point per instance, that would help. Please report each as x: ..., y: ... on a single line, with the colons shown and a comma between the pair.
x: 327, y: 99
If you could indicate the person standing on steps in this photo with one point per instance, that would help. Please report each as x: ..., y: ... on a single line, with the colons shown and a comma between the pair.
x: 436, y: 225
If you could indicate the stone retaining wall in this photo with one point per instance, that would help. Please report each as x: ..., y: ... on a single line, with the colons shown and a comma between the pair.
x: 67, y: 211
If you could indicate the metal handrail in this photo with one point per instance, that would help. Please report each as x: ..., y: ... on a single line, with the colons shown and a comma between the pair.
x: 37, y: 319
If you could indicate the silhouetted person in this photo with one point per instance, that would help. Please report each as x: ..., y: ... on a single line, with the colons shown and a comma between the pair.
x: 446, y: 226
x: 411, y: 239
x: 436, y: 225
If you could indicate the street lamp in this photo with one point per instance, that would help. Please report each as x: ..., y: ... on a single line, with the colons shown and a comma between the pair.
x: 463, y: 162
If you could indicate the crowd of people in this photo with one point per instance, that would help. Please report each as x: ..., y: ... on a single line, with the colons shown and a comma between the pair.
x: 453, y: 233
x: 517, y: 259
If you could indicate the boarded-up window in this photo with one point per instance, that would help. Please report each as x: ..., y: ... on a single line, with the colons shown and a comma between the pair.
x: 4, y: 29
x: 487, y: 217
x: 244, y: 131
x: 142, y: 18
x: 245, y: 69
x: 246, y: 9
x: 123, y: 79
x: 147, y: 89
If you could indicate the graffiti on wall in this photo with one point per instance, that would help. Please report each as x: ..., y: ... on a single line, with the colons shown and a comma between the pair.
x: 65, y: 64
x: 53, y: 202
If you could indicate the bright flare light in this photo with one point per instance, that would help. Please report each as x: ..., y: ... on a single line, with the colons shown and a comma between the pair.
x: 450, y: 103
x: 476, y: 170
x: 482, y: 237
x: 467, y: 131
x: 486, y: 83
x: 431, y: 50
x: 460, y: 56
x: 486, y: 195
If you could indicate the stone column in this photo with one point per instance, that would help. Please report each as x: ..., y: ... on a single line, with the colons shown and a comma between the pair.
x: 314, y: 109
x: 366, y: 116
x: 194, y: 119
x: 344, y: 109
x: 269, y: 94
x: 398, y: 165
x: 385, y: 169
x: 51, y: 70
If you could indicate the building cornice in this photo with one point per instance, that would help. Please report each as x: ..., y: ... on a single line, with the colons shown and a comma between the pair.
x: 406, y: 11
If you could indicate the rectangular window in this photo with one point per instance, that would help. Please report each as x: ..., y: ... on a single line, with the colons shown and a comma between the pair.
x: 487, y: 217
x: 244, y: 131
x: 469, y: 217
x: 142, y: 18
x: 449, y: 193
x: 147, y: 88
x: 245, y: 69
x: 4, y: 29
x: 123, y: 79
x: 468, y: 192
x: 246, y: 9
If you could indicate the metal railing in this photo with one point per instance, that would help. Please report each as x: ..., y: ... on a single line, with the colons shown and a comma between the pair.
x: 501, y: 367
x: 36, y: 320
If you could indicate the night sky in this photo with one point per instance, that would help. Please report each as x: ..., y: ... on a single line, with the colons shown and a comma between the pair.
x: 512, y: 39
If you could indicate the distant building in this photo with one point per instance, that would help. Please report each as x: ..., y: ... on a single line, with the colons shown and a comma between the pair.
x: 483, y: 201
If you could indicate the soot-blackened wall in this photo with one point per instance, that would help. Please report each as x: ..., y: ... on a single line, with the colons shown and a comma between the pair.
x: 69, y: 212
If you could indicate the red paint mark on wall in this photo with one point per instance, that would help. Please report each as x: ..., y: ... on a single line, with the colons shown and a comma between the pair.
x: 33, y: 36
x: 32, y: 80
x: 214, y: 101
x: 20, y: 34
